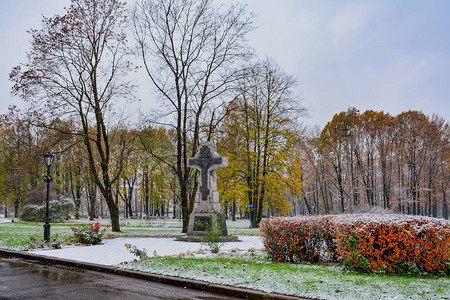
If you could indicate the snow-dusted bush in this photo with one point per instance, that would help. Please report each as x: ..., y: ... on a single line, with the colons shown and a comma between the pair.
x: 390, y: 243
x: 59, y: 211
x: 393, y: 243
x: 299, y: 239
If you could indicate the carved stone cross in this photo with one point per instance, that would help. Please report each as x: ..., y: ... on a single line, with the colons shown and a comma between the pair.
x: 207, y: 207
x: 207, y: 161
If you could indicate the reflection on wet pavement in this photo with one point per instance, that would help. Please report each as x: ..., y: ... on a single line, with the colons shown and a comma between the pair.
x: 24, y: 279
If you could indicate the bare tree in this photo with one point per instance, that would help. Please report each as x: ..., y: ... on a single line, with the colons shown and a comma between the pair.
x: 385, y: 143
x: 75, y: 70
x: 415, y: 150
x: 190, y: 50
x: 333, y: 139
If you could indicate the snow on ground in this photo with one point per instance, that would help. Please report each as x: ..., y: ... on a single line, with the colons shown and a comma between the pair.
x: 113, y: 251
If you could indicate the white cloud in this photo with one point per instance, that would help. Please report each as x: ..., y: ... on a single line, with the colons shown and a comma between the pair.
x: 349, y: 22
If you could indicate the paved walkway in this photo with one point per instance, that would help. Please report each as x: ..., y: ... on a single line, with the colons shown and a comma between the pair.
x: 113, y: 251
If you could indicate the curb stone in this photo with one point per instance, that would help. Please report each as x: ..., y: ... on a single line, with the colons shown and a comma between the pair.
x: 186, y: 283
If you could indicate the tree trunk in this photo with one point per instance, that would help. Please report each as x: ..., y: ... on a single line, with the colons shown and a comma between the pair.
x: 184, y: 205
x: 234, y: 210
x: 92, y: 199
x: 16, y: 209
x: 146, y: 192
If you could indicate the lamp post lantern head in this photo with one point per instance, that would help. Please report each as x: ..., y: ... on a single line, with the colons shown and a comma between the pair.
x: 49, y: 159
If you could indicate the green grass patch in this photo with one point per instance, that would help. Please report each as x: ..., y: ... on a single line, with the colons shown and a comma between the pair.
x: 16, y: 235
x: 308, y: 280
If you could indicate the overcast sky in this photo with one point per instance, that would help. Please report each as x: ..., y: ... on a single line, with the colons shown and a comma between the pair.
x: 381, y: 55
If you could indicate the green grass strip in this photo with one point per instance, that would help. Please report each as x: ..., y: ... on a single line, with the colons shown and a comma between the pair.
x: 307, y: 280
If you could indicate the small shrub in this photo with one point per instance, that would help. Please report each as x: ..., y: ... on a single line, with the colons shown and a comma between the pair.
x: 89, y: 234
x: 212, y: 233
x: 32, y: 213
x: 299, y: 239
x: 35, y: 243
x: 141, y: 254
x: 59, y: 210
x: 55, y: 242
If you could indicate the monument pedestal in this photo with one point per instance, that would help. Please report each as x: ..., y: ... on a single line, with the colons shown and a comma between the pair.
x: 202, y: 224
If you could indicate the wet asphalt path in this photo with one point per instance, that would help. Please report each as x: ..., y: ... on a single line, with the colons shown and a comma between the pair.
x: 26, y: 279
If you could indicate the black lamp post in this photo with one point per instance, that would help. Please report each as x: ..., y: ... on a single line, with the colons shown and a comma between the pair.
x: 47, y: 178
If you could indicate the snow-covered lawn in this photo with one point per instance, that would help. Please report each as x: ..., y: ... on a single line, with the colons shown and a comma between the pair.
x: 251, y: 270
x: 113, y: 251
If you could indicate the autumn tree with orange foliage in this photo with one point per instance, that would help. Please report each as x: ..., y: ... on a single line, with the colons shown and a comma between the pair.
x: 22, y: 164
x: 374, y: 159
x: 76, y: 69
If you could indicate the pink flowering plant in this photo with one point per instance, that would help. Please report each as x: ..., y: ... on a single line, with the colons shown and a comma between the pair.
x: 89, y: 235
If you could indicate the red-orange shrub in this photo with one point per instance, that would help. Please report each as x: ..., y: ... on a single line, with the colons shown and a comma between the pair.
x: 393, y: 243
x: 299, y: 239
x: 390, y: 243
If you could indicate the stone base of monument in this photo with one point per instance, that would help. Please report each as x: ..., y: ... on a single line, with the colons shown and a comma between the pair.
x: 201, y: 239
x: 200, y: 224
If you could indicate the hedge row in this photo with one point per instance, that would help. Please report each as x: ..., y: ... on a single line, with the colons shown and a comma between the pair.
x: 389, y: 243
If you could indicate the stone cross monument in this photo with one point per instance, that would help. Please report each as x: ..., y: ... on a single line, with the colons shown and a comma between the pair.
x: 207, y: 207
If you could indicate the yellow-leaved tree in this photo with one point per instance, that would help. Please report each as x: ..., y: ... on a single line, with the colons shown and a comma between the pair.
x: 258, y: 136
